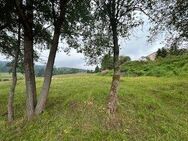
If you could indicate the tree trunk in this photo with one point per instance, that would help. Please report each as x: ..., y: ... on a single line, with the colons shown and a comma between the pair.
x: 28, y: 63
x: 47, y: 76
x: 49, y: 67
x: 14, y: 79
x: 29, y: 77
x: 112, y: 101
x: 12, y: 91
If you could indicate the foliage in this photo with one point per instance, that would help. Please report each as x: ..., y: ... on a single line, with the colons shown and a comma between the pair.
x: 169, y: 66
x: 107, y: 62
x: 174, y: 50
x: 124, y: 59
x: 110, y: 19
x: 65, y: 70
x: 170, y: 16
x: 161, y: 53
x: 97, y: 69
x: 149, y: 108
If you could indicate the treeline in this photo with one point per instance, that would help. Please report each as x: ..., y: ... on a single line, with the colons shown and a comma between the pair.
x: 39, y: 69
x: 173, y: 50
x: 171, y: 65
x: 107, y: 62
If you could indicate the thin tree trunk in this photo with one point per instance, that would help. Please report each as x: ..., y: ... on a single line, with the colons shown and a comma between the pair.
x: 12, y: 92
x: 12, y: 89
x: 14, y: 81
x: 28, y: 63
x: 49, y: 67
x: 47, y: 76
x: 113, y: 95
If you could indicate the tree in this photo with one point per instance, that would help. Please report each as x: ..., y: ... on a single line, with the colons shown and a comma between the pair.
x: 10, y: 40
x: 66, y: 20
x: 24, y: 10
x: 14, y: 77
x: 162, y: 53
x: 113, y: 19
x: 97, y: 69
x: 107, y: 62
x: 26, y: 16
x: 170, y: 17
x: 58, y: 21
x: 9, y: 46
x: 124, y: 59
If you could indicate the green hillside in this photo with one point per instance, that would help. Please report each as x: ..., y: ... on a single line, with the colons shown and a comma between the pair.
x: 149, y: 109
x: 169, y: 66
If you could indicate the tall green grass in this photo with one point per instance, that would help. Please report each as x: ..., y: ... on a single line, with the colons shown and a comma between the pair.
x: 149, y: 109
x: 8, y: 76
x: 169, y: 66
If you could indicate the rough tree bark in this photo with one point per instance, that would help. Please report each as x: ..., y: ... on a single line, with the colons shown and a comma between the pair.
x: 29, y: 77
x: 49, y: 67
x: 47, y: 76
x: 28, y: 62
x: 112, y: 102
x: 113, y: 95
x: 14, y: 81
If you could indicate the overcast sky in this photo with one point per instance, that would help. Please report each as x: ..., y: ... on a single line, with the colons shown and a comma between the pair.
x: 136, y: 47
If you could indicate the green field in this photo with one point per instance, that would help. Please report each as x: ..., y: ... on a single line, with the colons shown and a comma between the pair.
x: 149, y: 109
x: 8, y: 76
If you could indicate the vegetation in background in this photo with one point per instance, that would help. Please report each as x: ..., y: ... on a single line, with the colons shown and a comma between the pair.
x: 162, y: 53
x: 39, y: 69
x: 97, y: 69
x: 173, y: 50
x: 169, y: 17
x: 169, y: 66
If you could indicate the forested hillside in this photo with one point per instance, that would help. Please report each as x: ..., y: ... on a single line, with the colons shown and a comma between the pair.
x: 39, y: 69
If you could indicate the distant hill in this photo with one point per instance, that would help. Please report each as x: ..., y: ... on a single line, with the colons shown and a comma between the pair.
x: 39, y: 69
x: 4, y: 67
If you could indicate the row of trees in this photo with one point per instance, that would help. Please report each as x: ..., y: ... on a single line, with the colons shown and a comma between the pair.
x: 37, y: 24
x: 106, y: 62
x: 173, y: 50
x: 93, y: 27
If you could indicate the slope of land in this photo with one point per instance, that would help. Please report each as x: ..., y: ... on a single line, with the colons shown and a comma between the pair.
x: 150, y: 108
x: 169, y: 66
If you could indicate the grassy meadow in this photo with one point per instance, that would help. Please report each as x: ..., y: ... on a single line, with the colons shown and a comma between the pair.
x: 8, y: 76
x: 149, y: 109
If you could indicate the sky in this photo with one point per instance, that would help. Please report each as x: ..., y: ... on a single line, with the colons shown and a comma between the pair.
x: 136, y: 47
